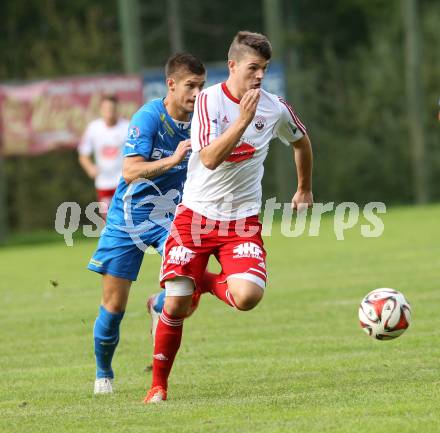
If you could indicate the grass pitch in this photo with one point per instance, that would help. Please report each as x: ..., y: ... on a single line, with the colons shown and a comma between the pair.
x: 298, y: 363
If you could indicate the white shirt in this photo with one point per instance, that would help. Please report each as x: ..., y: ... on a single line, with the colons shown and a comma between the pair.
x: 105, y: 143
x: 233, y: 190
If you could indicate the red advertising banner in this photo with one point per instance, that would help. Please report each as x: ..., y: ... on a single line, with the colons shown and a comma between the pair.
x: 45, y: 115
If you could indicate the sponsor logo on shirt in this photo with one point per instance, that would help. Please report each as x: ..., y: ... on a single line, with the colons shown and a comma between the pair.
x: 180, y: 255
x: 110, y: 152
x: 241, y: 153
x: 248, y: 249
x: 156, y: 153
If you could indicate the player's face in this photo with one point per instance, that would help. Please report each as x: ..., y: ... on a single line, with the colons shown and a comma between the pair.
x: 248, y: 72
x: 185, y: 88
x: 109, y: 112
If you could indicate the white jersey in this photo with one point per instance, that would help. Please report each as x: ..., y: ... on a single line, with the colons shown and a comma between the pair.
x: 233, y: 190
x: 105, y: 143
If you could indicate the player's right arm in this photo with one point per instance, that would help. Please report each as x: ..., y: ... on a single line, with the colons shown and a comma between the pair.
x: 87, y: 164
x: 85, y: 150
x: 143, y: 130
x: 136, y: 167
x: 213, y: 153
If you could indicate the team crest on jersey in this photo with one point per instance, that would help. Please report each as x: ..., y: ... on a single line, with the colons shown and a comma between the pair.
x: 248, y: 249
x: 259, y: 123
x: 133, y: 133
x: 180, y: 255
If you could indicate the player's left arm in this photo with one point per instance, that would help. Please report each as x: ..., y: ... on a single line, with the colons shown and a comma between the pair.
x: 303, y: 157
x: 290, y: 130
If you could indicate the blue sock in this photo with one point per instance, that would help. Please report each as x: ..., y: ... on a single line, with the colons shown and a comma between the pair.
x: 159, y: 301
x: 106, y: 335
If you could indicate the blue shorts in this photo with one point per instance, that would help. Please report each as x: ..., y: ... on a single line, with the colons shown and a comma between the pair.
x: 121, y: 256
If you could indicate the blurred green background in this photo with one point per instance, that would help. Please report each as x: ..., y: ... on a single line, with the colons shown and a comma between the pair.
x: 362, y: 75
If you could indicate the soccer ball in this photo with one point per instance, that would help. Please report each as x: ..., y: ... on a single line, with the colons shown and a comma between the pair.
x: 384, y: 314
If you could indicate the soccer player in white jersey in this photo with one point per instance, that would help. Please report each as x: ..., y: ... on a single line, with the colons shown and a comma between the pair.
x: 232, y: 126
x: 100, y: 150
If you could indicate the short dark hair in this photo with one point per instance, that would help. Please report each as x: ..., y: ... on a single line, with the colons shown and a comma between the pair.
x: 109, y: 97
x: 245, y: 41
x: 183, y: 62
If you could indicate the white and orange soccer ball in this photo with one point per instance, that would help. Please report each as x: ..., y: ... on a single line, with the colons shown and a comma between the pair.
x: 384, y: 314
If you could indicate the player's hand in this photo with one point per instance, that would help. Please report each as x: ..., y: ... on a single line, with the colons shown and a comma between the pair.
x: 302, y: 200
x: 248, y: 105
x: 181, y: 151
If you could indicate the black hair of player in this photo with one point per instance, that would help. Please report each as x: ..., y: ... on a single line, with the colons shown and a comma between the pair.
x: 109, y: 97
x: 183, y: 62
x: 245, y: 41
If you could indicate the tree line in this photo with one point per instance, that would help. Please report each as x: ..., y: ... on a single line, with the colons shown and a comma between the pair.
x: 345, y: 68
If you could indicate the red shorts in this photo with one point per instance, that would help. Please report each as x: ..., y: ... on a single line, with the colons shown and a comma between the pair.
x: 105, y: 195
x: 104, y: 198
x: 237, y: 245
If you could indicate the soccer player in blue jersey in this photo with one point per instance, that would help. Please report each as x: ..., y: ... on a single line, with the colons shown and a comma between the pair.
x: 140, y: 215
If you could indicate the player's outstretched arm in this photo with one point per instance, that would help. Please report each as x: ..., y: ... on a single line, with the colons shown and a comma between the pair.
x: 220, y: 148
x: 303, y: 155
x: 136, y: 167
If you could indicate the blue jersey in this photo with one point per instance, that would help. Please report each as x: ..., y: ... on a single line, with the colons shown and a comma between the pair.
x: 143, y: 204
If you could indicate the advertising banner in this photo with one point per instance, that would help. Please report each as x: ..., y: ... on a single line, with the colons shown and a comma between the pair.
x: 45, y: 115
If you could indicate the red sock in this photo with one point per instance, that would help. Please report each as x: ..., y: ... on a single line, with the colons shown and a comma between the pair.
x: 166, y: 344
x: 217, y: 285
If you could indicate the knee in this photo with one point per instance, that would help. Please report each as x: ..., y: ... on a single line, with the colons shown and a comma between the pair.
x: 178, y: 296
x: 115, y: 293
x: 246, y: 300
x: 113, y: 305
x: 177, y: 305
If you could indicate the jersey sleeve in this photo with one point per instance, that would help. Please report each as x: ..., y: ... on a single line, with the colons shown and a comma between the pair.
x: 141, y: 132
x: 289, y: 127
x: 204, y: 125
x: 86, y: 144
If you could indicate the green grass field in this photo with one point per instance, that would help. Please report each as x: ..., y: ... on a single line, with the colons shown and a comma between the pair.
x: 298, y: 363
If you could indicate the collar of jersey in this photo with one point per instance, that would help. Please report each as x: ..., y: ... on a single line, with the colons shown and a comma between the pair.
x: 171, y: 121
x: 229, y: 94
